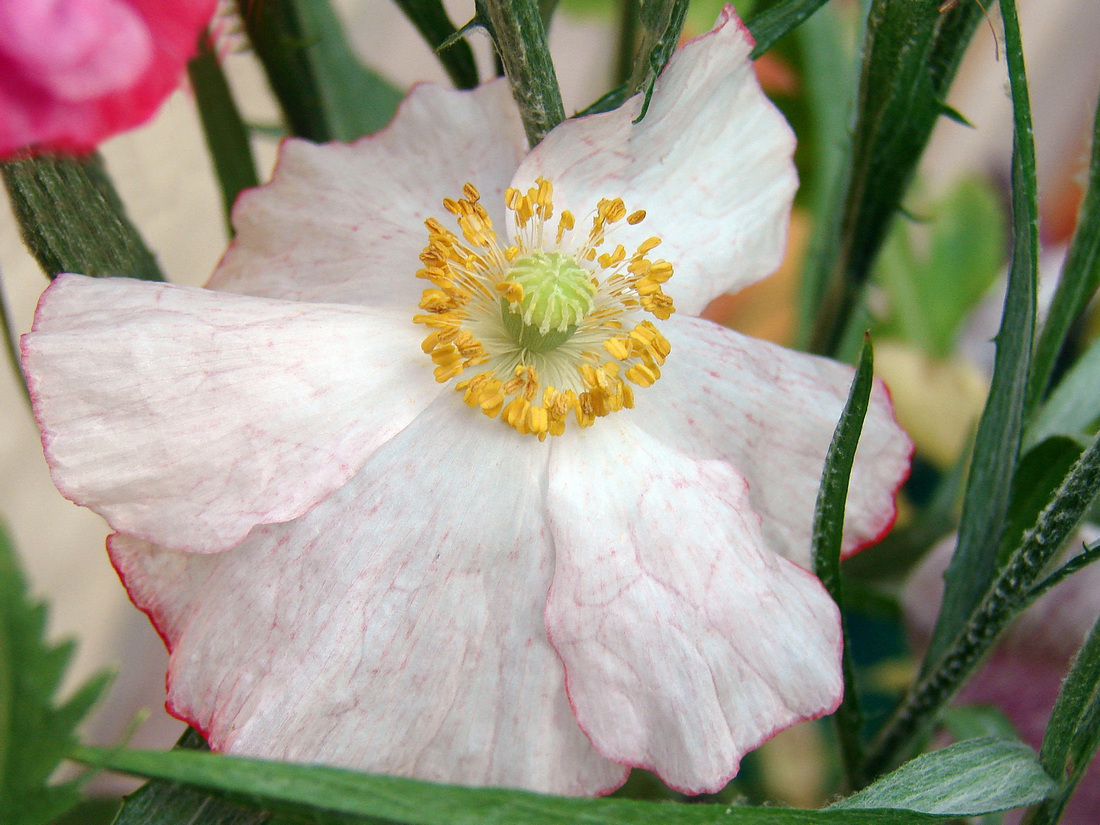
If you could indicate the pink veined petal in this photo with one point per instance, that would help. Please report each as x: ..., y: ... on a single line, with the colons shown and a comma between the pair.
x: 771, y: 412
x: 686, y: 642
x: 186, y: 417
x: 345, y: 223
x: 711, y: 164
x: 397, y: 627
x: 112, y: 65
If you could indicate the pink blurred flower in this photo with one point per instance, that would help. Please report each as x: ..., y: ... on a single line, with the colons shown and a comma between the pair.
x: 353, y: 563
x: 75, y: 72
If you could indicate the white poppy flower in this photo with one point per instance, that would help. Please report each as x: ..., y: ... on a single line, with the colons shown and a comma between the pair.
x: 589, y: 557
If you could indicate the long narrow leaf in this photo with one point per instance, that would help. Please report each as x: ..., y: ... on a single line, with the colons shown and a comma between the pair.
x: 431, y: 20
x: 1079, y: 279
x: 323, y: 89
x: 223, y: 128
x: 1005, y: 597
x: 1073, y: 733
x: 911, y: 53
x: 997, y: 444
x: 827, y: 538
x: 777, y: 20
x: 321, y: 795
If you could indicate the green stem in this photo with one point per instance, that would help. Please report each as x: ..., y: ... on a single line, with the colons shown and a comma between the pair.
x: 222, y: 125
x: 520, y: 38
x: 72, y: 220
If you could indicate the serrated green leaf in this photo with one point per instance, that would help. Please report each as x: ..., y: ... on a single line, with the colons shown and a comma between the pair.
x: 324, y: 91
x: 1073, y: 733
x: 969, y: 778
x: 1073, y: 408
x: 72, y: 219
x: 323, y: 795
x: 997, y: 443
x: 910, y: 55
x: 828, y: 534
x: 36, y: 734
x: 1079, y: 279
x: 435, y: 26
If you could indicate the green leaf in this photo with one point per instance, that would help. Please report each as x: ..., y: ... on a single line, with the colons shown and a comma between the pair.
x: 661, y: 23
x: 1038, y: 477
x: 936, y: 272
x: 72, y: 220
x: 169, y: 803
x: 323, y: 89
x: 431, y: 20
x: 1073, y: 733
x: 520, y: 38
x: 36, y: 733
x: 911, y: 53
x: 1078, y: 281
x: 1005, y: 597
x: 997, y: 443
x: 977, y: 721
x: 827, y: 537
x: 223, y: 128
x: 969, y: 778
x: 1073, y: 408
x: 322, y: 795
x: 771, y: 24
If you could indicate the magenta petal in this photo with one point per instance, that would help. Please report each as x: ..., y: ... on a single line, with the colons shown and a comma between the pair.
x: 110, y: 65
x: 686, y: 642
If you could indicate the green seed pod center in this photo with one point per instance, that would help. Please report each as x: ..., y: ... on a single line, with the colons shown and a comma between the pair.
x: 557, y: 295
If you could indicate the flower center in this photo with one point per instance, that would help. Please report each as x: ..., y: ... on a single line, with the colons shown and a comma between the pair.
x: 557, y: 295
x: 552, y: 325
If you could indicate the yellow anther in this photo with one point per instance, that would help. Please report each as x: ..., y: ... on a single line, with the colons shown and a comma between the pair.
x: 510, y: 291
x: 648, y: 245
x: 471, y: 193
x: 643, y: 375
x: 618, y: 348
x: 635, y: 218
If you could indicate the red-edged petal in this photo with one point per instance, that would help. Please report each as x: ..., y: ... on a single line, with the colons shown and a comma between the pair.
x: 397, y: 627
x: 345, y: 223
x: 186, y: 416
x: 686, y: 642
x: 711, y: 164
x: 771, y: 412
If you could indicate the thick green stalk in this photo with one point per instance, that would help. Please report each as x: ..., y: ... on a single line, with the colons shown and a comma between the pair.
x: 72, y: 220
x: 520, y: 38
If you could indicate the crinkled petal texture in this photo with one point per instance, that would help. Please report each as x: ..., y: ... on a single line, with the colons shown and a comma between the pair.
x: 710, y: 163
x: 397, y: 627
x: 186, y: 417
x: 686, y: 642
x: 75, y: 72
x: 345, y: 223
x: 770, y: 412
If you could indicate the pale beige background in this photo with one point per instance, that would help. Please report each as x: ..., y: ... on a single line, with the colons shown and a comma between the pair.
x: 164, y: 176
